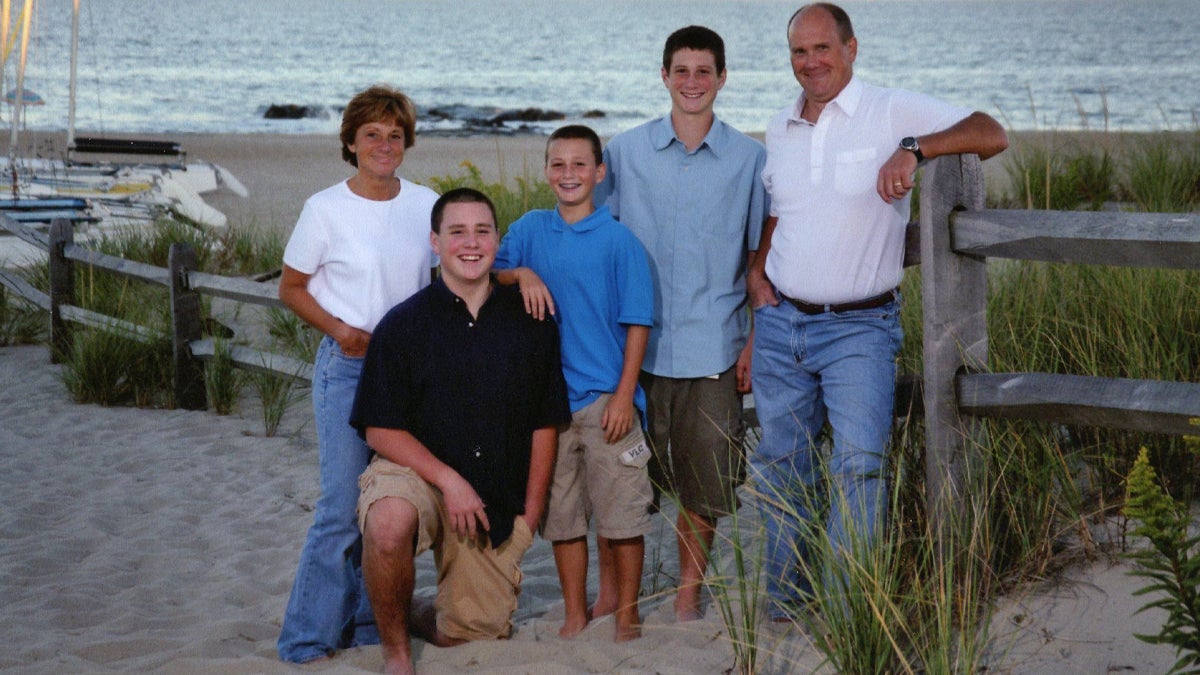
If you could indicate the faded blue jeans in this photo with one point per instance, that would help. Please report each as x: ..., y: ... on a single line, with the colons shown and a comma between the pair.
x: 328, y: 609
x: 809, y: 369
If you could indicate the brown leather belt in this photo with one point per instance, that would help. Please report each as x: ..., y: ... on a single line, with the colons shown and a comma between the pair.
x: 870, y: 303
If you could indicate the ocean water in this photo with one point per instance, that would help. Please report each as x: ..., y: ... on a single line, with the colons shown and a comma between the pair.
x: 172, y: 66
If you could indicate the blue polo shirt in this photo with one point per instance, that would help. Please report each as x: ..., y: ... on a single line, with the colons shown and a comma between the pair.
x: 472, y: 390
x: 697, y: 214
x: 597, y: 272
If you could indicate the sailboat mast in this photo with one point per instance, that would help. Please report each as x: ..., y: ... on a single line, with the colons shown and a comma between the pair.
x: 74, y: 67
x: 27, y: 15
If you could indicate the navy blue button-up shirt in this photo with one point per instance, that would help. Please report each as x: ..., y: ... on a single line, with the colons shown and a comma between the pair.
x: 471, y: 389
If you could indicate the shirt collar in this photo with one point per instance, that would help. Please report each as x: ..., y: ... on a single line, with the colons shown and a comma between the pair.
x: 847, y: 100
x: 663, y: 134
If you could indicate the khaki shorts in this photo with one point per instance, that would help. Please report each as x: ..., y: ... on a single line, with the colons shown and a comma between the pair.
x: 696, y: 431
x: 590, y: 479
x: 477, y: 585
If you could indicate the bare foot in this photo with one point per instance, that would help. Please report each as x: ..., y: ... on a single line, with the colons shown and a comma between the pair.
x: 628, y: 626
x: 574, y: 625
x: 687, y: 605
x: 603, y: 607
x: 398, y: 662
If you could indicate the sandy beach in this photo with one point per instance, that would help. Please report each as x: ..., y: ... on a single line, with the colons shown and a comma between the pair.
x: 166, y: 541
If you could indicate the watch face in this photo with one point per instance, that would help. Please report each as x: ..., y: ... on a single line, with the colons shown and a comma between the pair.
x: 909, y: 143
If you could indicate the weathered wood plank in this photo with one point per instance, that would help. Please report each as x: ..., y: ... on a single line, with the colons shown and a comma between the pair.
x: 62, y: 288
x: 25, y: 233
x: 257, y: 360
x: 242, y: 290
x: 129, y: 268
x: 86, y: 317
x: 1166, y: 240
x: 24, y: 289
x: 954, y: 296
x: 1118, y: 403
x: 186, y: 325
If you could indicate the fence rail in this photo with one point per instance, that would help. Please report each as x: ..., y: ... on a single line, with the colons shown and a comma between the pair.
x: 952, y: 241
x: 186, y: 284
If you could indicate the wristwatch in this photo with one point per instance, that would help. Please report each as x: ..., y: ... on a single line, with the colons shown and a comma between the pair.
x: 910, y: 144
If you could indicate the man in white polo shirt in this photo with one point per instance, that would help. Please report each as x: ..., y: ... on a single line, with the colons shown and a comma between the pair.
x: 840, y: 165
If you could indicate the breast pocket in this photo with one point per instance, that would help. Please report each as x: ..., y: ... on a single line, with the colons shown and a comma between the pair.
x: 857, y: 171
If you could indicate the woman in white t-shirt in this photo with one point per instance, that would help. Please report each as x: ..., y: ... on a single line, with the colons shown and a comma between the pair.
x: 359, y: 248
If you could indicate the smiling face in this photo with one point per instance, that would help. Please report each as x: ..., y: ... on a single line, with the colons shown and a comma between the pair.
x: 466, y: 243
x: 573, y: 173
x: 822, y: 62
x: 693, y: 80
x: 378, y: 148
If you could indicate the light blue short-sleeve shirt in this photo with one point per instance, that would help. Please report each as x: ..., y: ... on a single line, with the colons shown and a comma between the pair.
x: 697, y: 214
x: 598, y: 275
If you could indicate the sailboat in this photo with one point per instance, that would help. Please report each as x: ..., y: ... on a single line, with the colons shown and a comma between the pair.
x: 106, y: 191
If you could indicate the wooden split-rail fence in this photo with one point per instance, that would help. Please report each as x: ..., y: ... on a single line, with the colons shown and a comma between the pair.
x: 952, y: 242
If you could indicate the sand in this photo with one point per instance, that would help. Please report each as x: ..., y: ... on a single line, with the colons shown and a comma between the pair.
x: 165, y: 541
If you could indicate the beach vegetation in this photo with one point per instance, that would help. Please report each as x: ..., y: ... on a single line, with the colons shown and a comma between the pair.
x: 223, y: 382
x: 21, y: 322
x: 291, y: 335
x: 529, y: 193
x: 1171, y: 564
x: 1163, y: 174
x: 276, y: 393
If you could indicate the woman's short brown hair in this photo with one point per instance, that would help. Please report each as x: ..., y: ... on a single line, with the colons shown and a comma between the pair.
x: 379, y: 103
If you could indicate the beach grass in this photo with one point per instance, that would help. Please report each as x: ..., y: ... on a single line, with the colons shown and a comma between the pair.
x: 21, y: 322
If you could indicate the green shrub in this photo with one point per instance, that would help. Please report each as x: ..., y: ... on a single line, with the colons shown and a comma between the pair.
x: 530, y: 193
x: 1171, y: 564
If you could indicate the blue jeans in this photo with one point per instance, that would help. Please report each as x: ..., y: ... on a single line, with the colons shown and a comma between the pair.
x: 809, y: 369
x: 328, y: 609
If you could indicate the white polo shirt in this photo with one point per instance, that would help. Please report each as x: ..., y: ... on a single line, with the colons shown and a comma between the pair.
x: 836, y: 239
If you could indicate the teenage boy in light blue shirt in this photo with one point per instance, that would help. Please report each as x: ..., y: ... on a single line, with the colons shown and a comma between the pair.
x: 688, y: 186
x: 592, y: 274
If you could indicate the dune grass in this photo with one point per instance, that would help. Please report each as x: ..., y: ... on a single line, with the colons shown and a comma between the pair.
x: 21, y: 323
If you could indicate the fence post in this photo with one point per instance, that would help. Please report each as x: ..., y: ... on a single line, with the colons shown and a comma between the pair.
x: 62, y: 287
x: 185, y: 327
x: 954, y: 297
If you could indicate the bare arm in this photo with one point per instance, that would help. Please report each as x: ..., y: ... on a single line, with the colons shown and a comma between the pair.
x: 977, y: 134
x: 538, y: 300
x: 757, y: 285
x: 293, y: 291
x: 541, y: 470
x: 463, y: 504
x: 620, y: 413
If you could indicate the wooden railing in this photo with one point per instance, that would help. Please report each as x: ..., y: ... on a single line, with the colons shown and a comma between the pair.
x: 952, y: 241
x: 956, y: 236
x: 186, y: 283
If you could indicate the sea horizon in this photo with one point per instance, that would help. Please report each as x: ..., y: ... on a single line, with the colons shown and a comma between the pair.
x: 218, y: 66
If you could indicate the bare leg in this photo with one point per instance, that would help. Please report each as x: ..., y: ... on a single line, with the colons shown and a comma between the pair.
x: 606, y: 598
x: 695, y: 534
x: 389, y: 540
x: 571, y: 559
x: 627, y: 556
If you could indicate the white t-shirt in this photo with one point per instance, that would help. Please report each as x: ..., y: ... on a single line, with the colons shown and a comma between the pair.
x: 364, y: 256
x: 836, y: 239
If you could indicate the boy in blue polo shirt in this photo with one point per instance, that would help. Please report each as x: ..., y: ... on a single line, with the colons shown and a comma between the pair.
x: 592, y: 275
